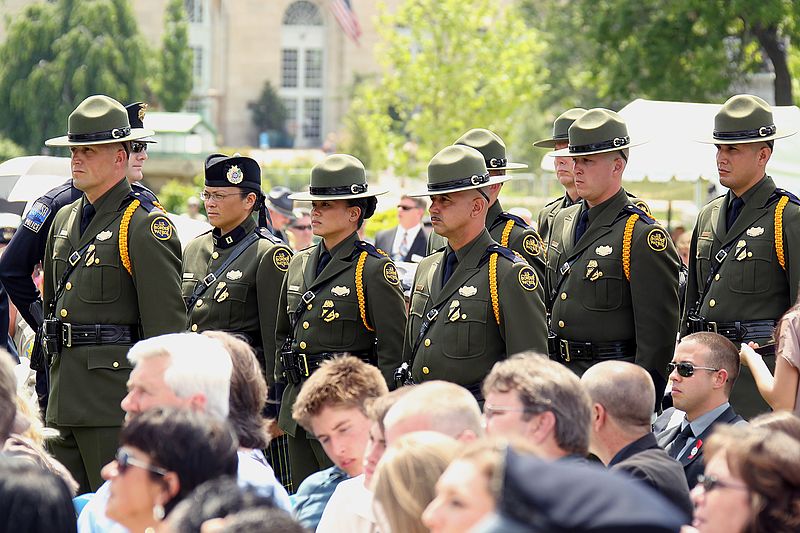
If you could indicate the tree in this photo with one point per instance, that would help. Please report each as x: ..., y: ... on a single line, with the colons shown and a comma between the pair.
x: 269, y: 113
x: 685, y: 50
x: 175, y: 81
x: 57, y: 54
x: 447, y: 66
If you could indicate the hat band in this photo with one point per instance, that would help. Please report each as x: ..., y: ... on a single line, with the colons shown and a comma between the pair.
x: 560, y: 136
x: 116, y: 133
x: 496, y: 162
x: 763, y: 131
x: 616, y: 142
x: 355, y: 188
x: 454, y: 184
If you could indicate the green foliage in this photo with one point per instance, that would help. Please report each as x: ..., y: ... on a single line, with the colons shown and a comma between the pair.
x: 9, y: 149
x: 174, y: 193
x: 269, y: 113
x: 174, y: 82
x: 447, y: 66
x: 56, y: 54
x: 380, y: 221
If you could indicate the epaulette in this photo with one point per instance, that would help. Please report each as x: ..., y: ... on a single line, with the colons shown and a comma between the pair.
x: 783, y: 192
x: 67, y: 186
x: 508, y: 253
x: 505, y: 215
x: 364, y: 246
x: 148, y: 201
x: 631, y: 209
x: 264, y: 233
x: 554, y: 202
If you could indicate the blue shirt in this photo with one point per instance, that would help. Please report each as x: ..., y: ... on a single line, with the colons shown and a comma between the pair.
x: 313, y: 494
x: 700, y: 424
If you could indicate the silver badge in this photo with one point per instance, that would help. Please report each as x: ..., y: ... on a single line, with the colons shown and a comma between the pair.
x: 603, y: 251
x: 104, y: 235
x: 233, y: 275
x: 755, y: 231
x: 467, y: 290
x: 340, y: 290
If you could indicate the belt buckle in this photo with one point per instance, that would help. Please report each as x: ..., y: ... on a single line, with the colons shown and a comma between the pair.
x: 711, y: 326
x: 66, y: 335
x: 721, y: 255
x: 563, y: 348
x: 564, y: 268
x: 304, y: 368
x: 432, y: 314
x: 74, y: 258
x: 208, y: 280
x: 308, y: 296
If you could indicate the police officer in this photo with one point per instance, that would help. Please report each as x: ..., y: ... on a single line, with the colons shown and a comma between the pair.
x: 26, y: 249
x: 613, y: 276
x: 341, y: 295
x: 744, y: 260
x: 280, y: 207
x: 474, y: 302
x: 232, y: 275
x: 563, y: 168
x: 112, y: 277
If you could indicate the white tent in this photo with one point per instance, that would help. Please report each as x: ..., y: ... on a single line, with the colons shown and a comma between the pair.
x: 672, y: 152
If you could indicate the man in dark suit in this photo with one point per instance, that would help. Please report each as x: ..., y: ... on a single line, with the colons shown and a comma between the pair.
x: 407, y: 241
x: 622, y: 397
x: 703, y: 371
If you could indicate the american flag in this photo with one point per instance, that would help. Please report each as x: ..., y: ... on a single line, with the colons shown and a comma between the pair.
x: 346, y: 18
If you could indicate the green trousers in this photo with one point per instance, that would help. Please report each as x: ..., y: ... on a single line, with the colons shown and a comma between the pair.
x: 306, y: 456
x: 85, y: 451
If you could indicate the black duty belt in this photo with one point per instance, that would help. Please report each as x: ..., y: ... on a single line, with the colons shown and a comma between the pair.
x: 81, y: 335
x: 736, y: 331
x: 588, y: 351
x: 307, y: 364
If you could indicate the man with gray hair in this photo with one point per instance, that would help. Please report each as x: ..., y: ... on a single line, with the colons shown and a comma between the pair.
x: 540, y: 400
x: 622, y: 403
x: 185, y: 370
x: 435, y: 406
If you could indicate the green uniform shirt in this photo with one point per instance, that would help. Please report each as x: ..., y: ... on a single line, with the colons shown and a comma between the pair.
x: 545, y: 219
x: 596, y: 302
x: 244, y: 298
x: 750, y: 284
x: 88, y: 382
x: 465, y: 340
x: 332, y: 322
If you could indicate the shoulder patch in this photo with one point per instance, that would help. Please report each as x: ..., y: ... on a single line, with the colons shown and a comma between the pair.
x: 161, y: 228
x: 281, y: 258
x: 505, y: 215
x: 533, y: 245
x: 364, y: 246
x: 528, y: 278
x: 641, y: 204
x: 390, y: 273
x: 657, y: 239
x: 645, y: 217
x: 36, y: 216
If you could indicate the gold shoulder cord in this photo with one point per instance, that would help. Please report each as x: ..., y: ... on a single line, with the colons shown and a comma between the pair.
x: 779, y: 230
x: 626, y: 245
x: 123, y: 235
x: 362, y: 306
x: 493, y: 286
x: 158, y: 205
x: 506, y: 234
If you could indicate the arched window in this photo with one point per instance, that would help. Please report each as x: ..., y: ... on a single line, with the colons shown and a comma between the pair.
x: 302, y: 13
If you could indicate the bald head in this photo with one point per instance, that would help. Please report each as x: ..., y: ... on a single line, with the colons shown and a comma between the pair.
x: 435, y: 406
x: 625, y: 390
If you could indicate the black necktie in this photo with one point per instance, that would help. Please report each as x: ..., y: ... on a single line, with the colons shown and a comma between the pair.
x: 733, y: 211
x: 324, y: 259
x: 86, y: 216
x: 450, y: 265
x: 583, y: 221
x: 680, y: 441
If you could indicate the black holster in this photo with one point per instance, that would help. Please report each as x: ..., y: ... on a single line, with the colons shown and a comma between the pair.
x: 39, y: 362
x: 52, y: 338
x: 402, y: 376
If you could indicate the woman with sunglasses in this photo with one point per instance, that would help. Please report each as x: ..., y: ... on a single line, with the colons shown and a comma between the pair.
x: 164, y: 454
x: 751, y: 483
x: 341, y: 295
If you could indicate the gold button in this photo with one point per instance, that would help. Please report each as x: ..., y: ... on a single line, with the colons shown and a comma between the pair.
x: 303, y: 345
x: 749, y: 254
x: 716, y: 278
x: 426, y: 370
x: 115, y: 364
x: 214, y: 255
x: 96, y: 260
x: 63, y: 313
x: 305, y: 325
x: 309, y: 307
x: 427, y: 342
x: 199, y: 303
x: 712, y: 303
x: 561, y: 323
x: 194, y: 327
x: 68, y: 286
x: 563, y: 295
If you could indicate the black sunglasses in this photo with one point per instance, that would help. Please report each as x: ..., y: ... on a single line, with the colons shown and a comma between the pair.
x: 710, y: 483
x: 125, y: 460
x: 686, y: 370
x: 302, y: 228
x: 137, y: 147
x: 406, y: 207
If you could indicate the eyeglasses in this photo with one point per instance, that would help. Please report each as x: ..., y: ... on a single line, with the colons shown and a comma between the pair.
x: 216, y: 196
x: 302, y: 228
x: 490, y: 410
x: 406, y: 207
x: 137, y: 147
x: 124, y: 460
x: 686, y: 370
x: 710, y: 483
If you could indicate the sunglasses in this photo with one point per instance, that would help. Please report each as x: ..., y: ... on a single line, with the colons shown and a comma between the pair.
x: 686, y: 370
x: 137, y: 147
x: 710, y: 483
x: 125, y: 460
x: 406, y: 207
x: 302, y: 228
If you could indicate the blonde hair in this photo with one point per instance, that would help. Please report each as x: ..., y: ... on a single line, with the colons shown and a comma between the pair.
x: 449, y: 408
x: 405, y: 480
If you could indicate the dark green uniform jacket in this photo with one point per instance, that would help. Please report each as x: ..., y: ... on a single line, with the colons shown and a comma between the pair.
x: 333, y: 322
x: 88, y: 382
x: 750, y: 285
x: 244, y: 299
x: 545, y: 219
x: 596, y: 302
x: 465, y: 340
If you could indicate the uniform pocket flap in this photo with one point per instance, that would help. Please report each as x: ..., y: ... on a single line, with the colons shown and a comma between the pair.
x: 102, y: 360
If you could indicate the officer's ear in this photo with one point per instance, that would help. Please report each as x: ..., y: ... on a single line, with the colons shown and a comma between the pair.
x: 599, y: 416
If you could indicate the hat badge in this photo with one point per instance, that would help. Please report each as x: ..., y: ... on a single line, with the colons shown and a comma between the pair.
x: 142, y: 109
x: 235, y: 175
